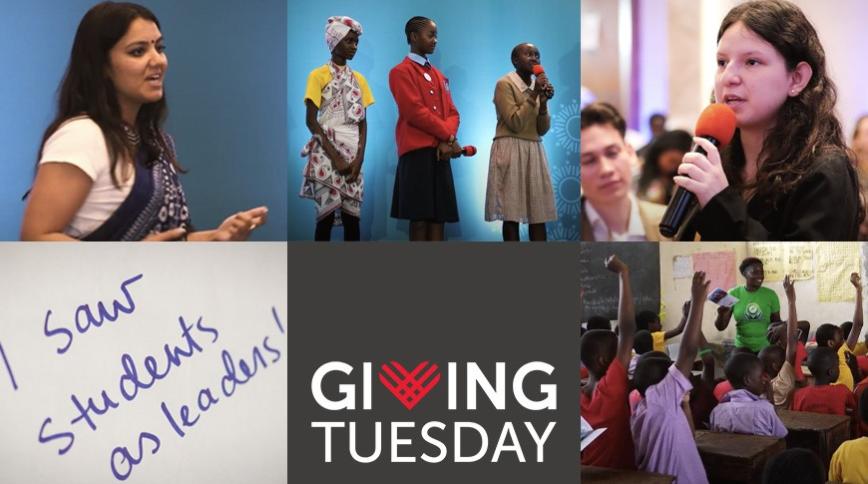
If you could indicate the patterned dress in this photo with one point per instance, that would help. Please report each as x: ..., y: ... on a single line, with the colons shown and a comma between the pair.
x: 341, y: 109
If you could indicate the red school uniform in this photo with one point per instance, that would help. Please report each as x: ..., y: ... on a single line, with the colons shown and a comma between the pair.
x: 863, y: 364
x: 607, y: 407
x: 426, y: 113
x: 831, y: 399
x: 801, y: 356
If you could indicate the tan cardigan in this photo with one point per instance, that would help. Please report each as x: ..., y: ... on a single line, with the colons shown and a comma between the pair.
x: 517, y: 113
x: 650, y: 213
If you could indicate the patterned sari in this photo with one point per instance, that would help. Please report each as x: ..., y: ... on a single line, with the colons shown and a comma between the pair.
x: 340, y: 113
x: 156, y: 202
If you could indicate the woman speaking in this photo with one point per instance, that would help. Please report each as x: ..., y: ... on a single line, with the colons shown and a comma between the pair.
x: 107, y: 170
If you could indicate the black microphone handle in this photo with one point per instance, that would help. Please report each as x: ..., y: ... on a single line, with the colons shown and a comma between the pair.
x: 681, y: 204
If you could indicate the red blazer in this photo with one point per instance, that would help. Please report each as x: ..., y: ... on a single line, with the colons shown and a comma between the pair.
x: 426, y: 114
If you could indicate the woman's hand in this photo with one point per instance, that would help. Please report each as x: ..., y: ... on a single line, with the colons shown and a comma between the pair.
x: 702, y: 175
x: 236, y: 227
x: 456, y: 149
x: 169, y: 235
x: 444, y: 151
x: 338, y: 163
x: 544, y: 88
x: 856, y: 280
x: 539, y: 88
x: 355, y: 168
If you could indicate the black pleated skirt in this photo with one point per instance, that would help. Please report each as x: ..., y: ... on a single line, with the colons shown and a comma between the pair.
x: 424, y: 189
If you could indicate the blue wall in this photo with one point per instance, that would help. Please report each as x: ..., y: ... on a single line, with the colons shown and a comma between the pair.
x: 475, y: 41
x: 226, y: 87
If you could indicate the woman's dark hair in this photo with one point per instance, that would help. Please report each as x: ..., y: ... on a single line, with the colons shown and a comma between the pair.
x: 87, y: 89
x: 415, y: 24
x: 671, y: 140
x: 808, y: 126
x: 747, y: 262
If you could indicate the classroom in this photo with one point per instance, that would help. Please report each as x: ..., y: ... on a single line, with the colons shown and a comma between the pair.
x: 723, y: 362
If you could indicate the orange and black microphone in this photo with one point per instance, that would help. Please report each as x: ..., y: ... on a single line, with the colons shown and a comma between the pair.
x: 717, y: 125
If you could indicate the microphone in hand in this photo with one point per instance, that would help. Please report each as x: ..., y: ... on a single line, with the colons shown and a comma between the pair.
x: 717, y: 125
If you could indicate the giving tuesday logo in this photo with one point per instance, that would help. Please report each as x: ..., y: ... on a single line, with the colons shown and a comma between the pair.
x: 408, y: 386
x: 475, y: 424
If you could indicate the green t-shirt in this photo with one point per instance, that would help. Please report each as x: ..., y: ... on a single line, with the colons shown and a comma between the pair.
x: 752, y: 315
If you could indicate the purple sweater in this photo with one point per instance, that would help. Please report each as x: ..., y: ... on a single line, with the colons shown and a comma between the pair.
x: 742, y: 412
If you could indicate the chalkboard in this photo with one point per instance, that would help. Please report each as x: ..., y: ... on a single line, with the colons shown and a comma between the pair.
x: 143, y: 363
x: 599, y: 286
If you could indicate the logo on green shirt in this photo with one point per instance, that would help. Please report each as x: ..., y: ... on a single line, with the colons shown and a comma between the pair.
x: 753, y: 312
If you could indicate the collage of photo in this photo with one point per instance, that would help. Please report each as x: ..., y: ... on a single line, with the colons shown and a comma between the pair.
x: 705, y: 160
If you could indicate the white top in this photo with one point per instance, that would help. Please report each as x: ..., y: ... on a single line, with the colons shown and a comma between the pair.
x: 80, y: 142
x: 635, y: 230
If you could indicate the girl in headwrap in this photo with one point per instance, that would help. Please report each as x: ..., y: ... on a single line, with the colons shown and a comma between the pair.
x: 336, y: 98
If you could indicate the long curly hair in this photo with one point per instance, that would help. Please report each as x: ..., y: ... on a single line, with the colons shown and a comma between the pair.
x: 807, y: 126
x: 86, y: 89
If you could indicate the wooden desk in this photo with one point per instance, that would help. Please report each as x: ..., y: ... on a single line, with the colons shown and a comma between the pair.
x: 599, y: 475
x: 819, y: 432
x: 730, y: 458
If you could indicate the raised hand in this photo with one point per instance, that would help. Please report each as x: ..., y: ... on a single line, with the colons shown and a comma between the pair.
x: 699, y: 287
x: 790, y: 288
x: 616, y: 265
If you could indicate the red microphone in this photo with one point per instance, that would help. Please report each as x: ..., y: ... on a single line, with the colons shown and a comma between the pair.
x: 716, y: 124
x: 538, y: 71
x: 468, y: 150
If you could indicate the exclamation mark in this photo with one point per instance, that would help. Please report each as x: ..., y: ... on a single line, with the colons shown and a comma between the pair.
x: 8, y: 368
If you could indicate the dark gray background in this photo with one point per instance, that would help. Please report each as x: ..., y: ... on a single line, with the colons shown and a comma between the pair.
x: 448, y: 302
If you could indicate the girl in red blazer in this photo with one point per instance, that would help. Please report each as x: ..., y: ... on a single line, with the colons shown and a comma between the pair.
x: 427, y: 125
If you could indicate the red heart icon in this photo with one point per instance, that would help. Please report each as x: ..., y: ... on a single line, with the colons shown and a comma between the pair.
x: 407, y: 386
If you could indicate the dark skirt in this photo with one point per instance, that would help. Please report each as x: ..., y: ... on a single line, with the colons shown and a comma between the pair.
x: 424, y: 189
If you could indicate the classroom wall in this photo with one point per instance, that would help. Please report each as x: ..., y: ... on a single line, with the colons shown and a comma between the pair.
x: 226, y: 87
x: 475, y: 42
x: 675, y: 291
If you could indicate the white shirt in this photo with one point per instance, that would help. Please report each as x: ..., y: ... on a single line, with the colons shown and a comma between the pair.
x: 635, y: 229
x: 419, y: 59
x: 519, y: 82
x: 80, y: 142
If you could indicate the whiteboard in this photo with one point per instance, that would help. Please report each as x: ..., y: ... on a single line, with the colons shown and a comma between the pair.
x: 153, y: 327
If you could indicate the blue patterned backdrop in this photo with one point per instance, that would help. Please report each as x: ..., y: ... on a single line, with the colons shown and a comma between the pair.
x: 475, y: 41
